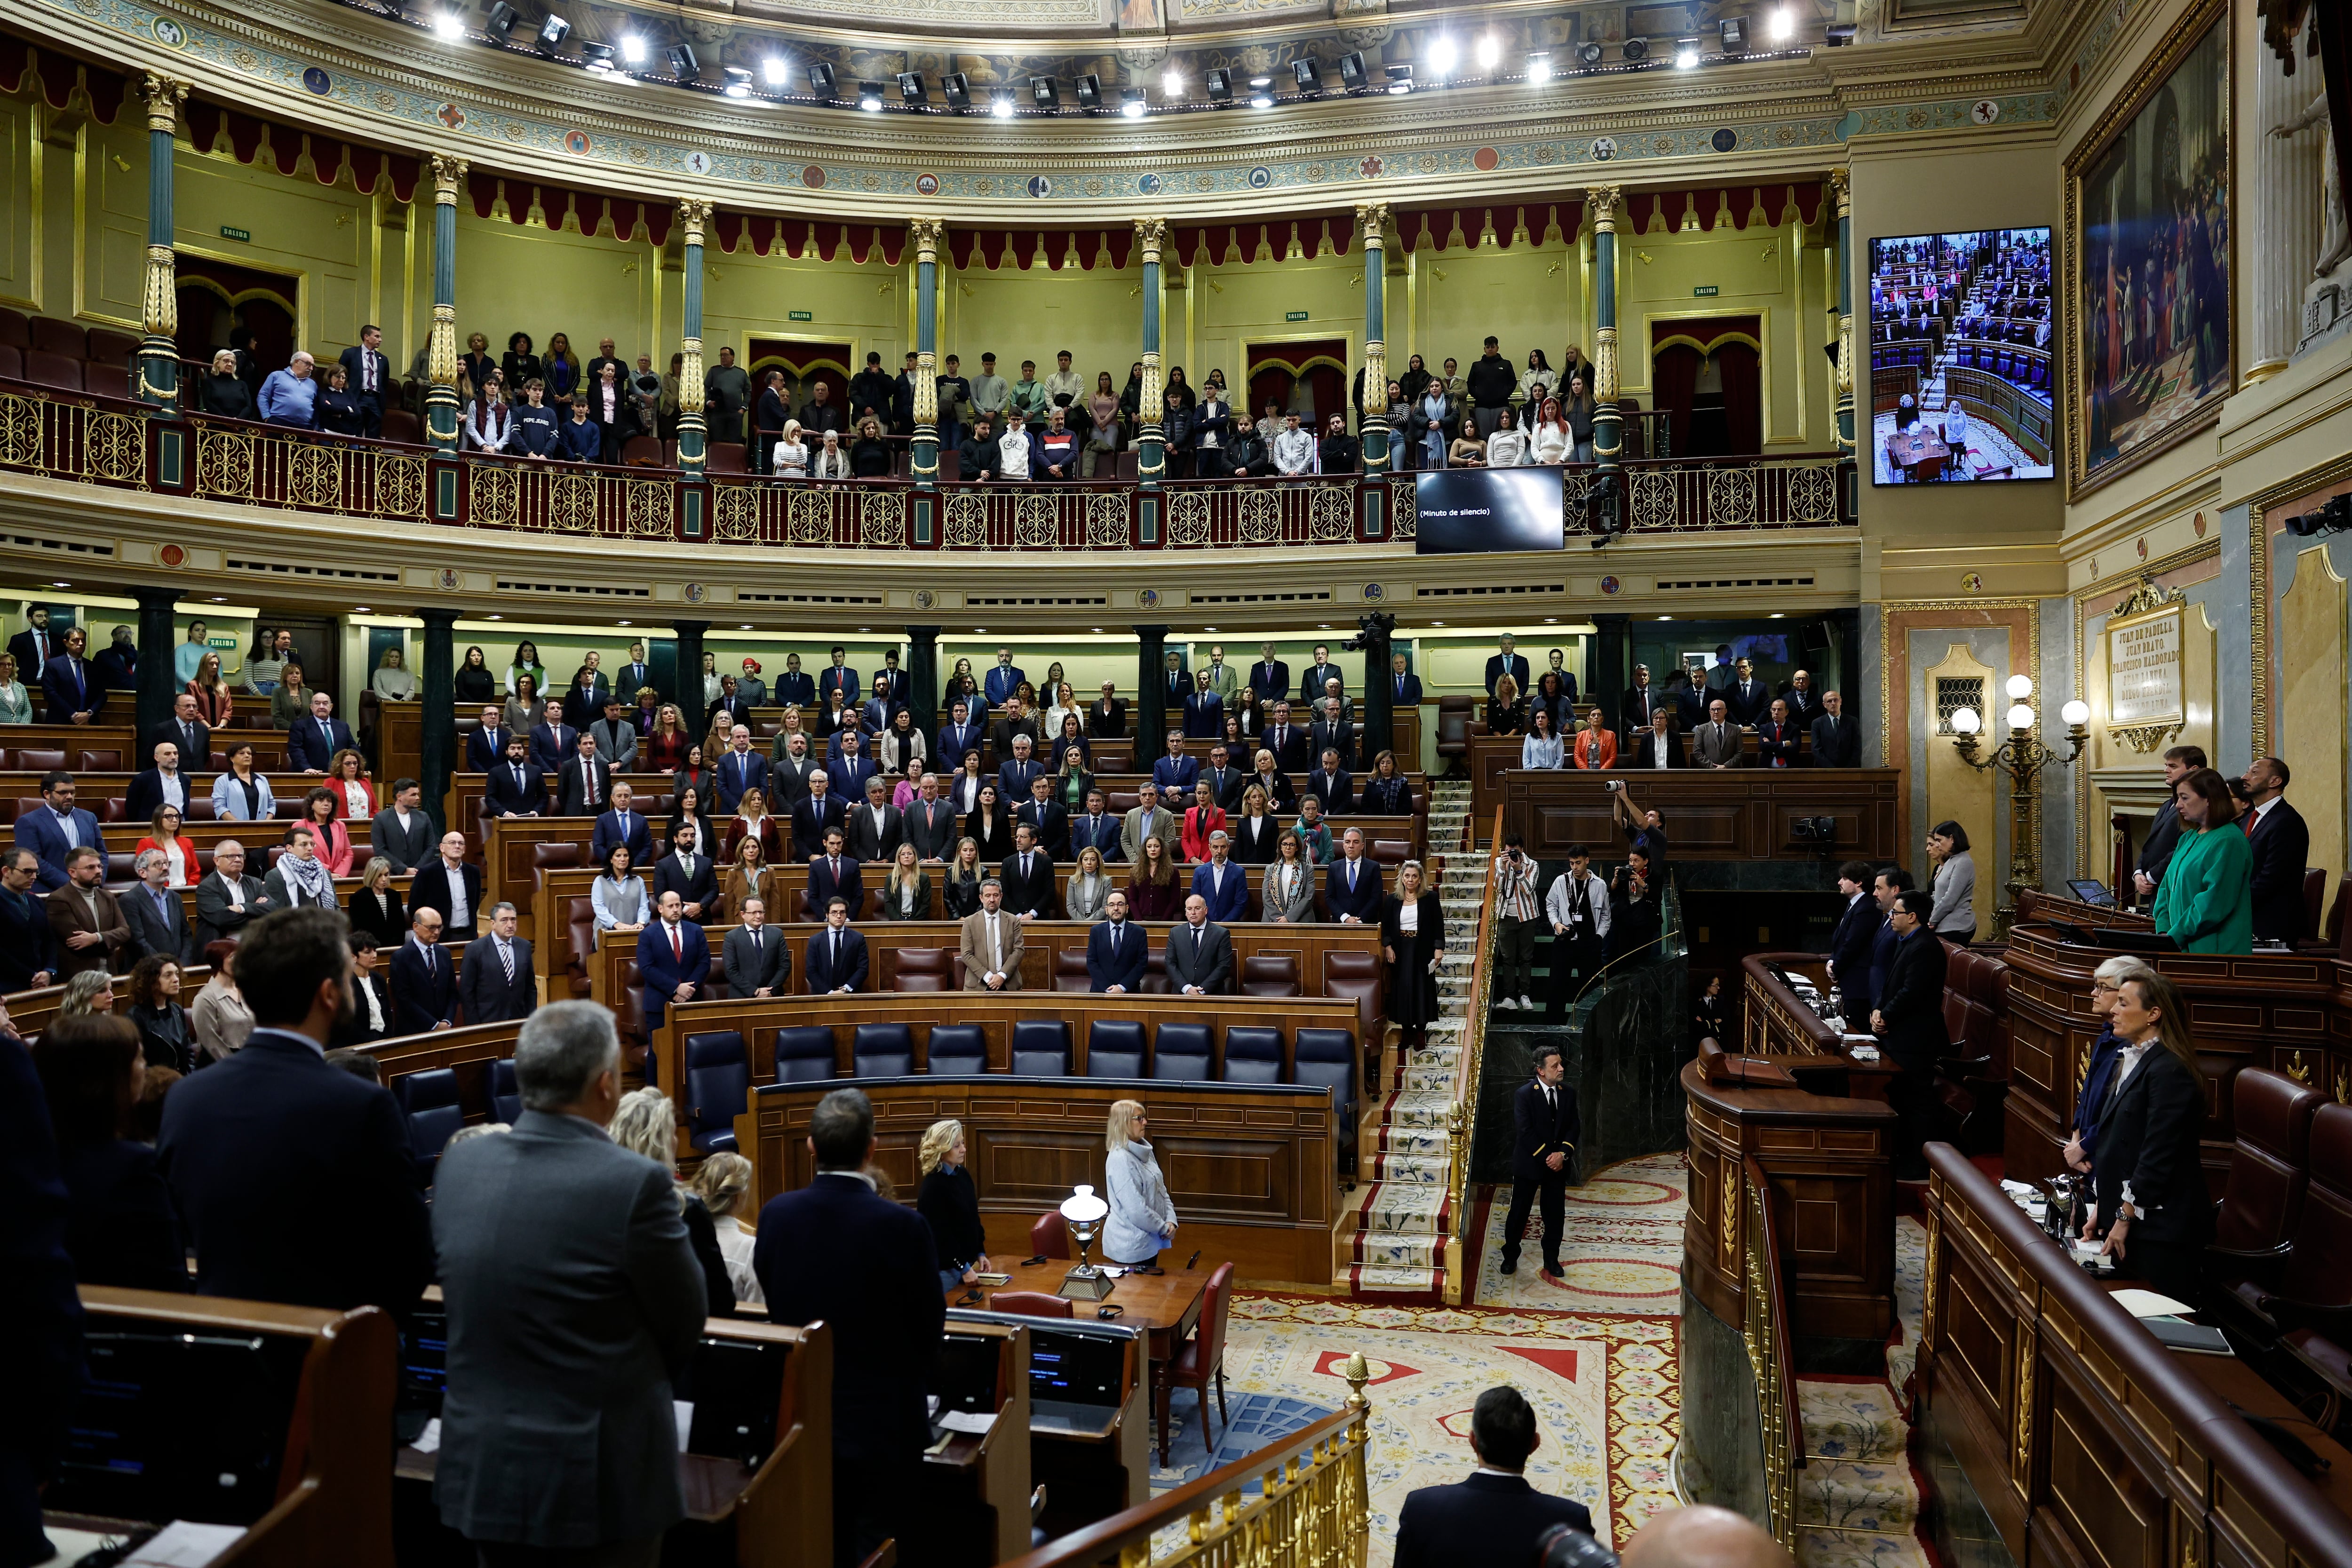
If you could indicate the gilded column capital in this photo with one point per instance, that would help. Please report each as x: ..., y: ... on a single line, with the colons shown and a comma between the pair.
x: 1151, y: 233
x: 929, y: 234
x: 449, y: 174
x: 1372, y: 218
x: 163, y: 95
x: 694, y: 217
x: 1842, y: 191
x: 1603, y: 200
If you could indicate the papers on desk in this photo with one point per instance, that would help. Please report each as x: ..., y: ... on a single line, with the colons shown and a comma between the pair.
x: 429, y: 1440
x: 683, y: 1410
x: 964, y: 1421
x: 2166, y: 1319
x: 184, y: 1545
x: 2150, y: 1304
x: 2027, y: 1197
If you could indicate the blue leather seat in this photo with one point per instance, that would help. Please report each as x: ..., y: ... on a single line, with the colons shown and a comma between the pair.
x: 1115, y: 1047
x: 960, y: 1048
x: 718, y: 1083
x: 1327, y: 1058
x: 803, y: 1054
x: 1180, y: 1053
x: 1253, y: 1053
x: 882, y: 1050
x: 506, y: 1099
x: 1041, y: 1049
x: 430, y: 1099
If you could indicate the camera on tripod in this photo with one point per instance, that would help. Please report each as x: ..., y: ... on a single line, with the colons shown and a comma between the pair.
x: 1813, y: 829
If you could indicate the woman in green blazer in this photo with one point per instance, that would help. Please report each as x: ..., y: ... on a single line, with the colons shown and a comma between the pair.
x: 2206, y: 900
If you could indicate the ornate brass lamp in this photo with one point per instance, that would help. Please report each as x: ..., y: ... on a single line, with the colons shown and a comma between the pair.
x: 2022, y: 757
x: 1084, y: 1213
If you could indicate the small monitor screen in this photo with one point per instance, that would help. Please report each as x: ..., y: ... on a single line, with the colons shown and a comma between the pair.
x: 1075, y: 1368
x: 1462, y: 511
x: 967, y: 1372
x: 2092, y: 893
x: 735, y: 1387
x: 1963, y: 336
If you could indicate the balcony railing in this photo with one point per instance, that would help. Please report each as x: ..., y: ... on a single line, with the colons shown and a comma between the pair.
x: 99, y: 441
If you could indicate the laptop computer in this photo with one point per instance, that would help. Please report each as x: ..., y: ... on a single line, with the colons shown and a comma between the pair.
x: 2092, y: 892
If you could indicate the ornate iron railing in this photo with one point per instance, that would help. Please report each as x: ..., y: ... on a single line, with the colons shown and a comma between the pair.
x: 94, y: 440
x: 1460, y: 1122
x: 1764, y: 1326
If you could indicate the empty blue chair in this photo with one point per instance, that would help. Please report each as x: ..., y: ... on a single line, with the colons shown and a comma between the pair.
x: 960, y: 1048
x: 803, y: 1054
x: 1115, y: 1047
x: 1180, y: 1053
x: 506, y: 1099
x: 430, y: 1099
x: 1041, y: 1049
x: 882, y: 1050
x: 717, y: 1082
x: 1253, y: 1053
x: 1327, y: 1058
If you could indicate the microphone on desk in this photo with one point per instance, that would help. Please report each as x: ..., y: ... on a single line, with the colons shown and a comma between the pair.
x: 1191, y: 1260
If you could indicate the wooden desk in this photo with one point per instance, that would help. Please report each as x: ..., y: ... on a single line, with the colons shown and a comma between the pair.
x: 1918, y: 445
x: 29, y: 1011
x: 975, y: 1488
x: 1163, y: 1306
x: 1779, y: 1024
x: 1733, y: 813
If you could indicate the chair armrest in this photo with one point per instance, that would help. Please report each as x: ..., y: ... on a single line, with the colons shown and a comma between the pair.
x: 2258, y: 1264
x: 2332, y: 1320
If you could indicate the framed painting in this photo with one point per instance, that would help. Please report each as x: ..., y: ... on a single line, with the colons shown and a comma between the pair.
x: 2152, y: 350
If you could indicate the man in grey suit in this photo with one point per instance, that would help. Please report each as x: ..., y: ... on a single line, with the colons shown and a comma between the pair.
x: 616, y: 737
x: 1716, y: 743
x: 1199, y: 957
x: 227, y: 899
x: 158, y: 920
x: 929, y: 822
x: 1146, y: 821
x: 400, y: 832
x: 567, y: 1324
x: 756, y: 961
x: 495, y: 981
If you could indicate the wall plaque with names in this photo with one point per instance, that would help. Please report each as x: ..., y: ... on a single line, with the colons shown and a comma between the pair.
x: 2147, y: 698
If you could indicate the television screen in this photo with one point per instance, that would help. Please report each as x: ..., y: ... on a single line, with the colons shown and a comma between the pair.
x: 1466, y: 511
x: 1963, y: 341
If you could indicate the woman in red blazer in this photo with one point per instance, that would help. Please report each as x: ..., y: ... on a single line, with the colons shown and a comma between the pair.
x: 1596, y: 743
x: 1203, y: 818
x: 164, y: 833
x: 332, y: 839
x: 347, y: 781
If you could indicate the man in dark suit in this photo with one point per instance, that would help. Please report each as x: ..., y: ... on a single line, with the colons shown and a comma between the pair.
x: 880, y: 1292
x: 1640, y: 702
x: 1096, y: 825
x: 739, y: 768
x: 1316, y: 684
x: 1225, y: 781
x: 71, y: 688
x: 34, y: 646
x: 1908, y: 1018
x: 673, y: 961
x: 1850, y: 943
x: 228, y: 901
x: 1333, y: 731
x: 1332, y: 785
x: 2164, y: 832
x: 1177, y: 771
x: 1175, y: 683
x: 27, y: 952
x: 902, y: 685
x: 586, y: 782
x: 368, y: 373
x: 158, y: 920
x: 118, y: 662
x: 1804, y: 701
x: 1717, y: 743
x: 1837, y: 739
x: 191, y: 734
x: 486, y: 747
x: 292, y: 1178
x: 788, y: 772
x: 754, y: 957
x: 1270, y: 677
x: 634, y: 675
x: 1291, y: 744
x: 1503, y: 662
x: 875, y: 714
x: 836, y: 956
x: 795, y: 688
x: 1003, y: 678
x: 1028, y: 878
x: 836, y: 677
x: 625, y: 824
x: 874, y: 828
x: 2280, y: 843
x: 1117, y: 949
x: 494, y: 981
x: 400, y: 832
x: 445, y: 880
x: 1013, y: 725
x: 731, y: 709
x: 686, y: 870
x: 1352, y: 884
x: 833, y: 875
x: 582, y: 1325
x: 1746, y: 698
x: 312, y: 742
x: 817, y: 813
x: 1404, y: 687
x: 424, y: 982
x: 515, y: 787
x: 59, y: 827
x: 166, y: 783
x: 552, y: 743
x: 1046, y: 819
x: 1543, y: 1157
x: 1776, y: 738
x: 957, y: 736
x: 1889, y: 884
x: 1493, y: 1517
x: 1199, y: 957
x: 928, y: 823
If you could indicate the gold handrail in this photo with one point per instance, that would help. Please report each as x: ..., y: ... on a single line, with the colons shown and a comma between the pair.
x: 1764, y: 1326
x: 1313, y: 1508
x: 1460, y: 1119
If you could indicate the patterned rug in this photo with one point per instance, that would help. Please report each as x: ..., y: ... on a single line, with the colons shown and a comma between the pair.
x: 1621, y: 1244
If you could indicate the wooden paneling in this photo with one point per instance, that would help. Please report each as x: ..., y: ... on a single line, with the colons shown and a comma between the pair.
x: 1742, y: 814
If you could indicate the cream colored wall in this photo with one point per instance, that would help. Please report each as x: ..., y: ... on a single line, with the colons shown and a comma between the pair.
x: 322, y: 234
x: 1238, y: 306
x: 21, y: 214
x: 514, y: 278
x: 1755, y: 271
x: 1529, y: 296
x: 746, y: 295
x: 1021, y: 313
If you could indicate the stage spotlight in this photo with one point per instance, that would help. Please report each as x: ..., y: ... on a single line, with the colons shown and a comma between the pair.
x: 773, y: 70
x: 1839, y: 35
x: 633, y: 50
x: 1090, y: 93
x: 551, y: 34
x: 1171, y: 83
x: 738, y: 81
x: 1490, y: 52
x: 502, y: 19
x: 1538, y: 69
x: 1131, y: 104
x: 1734, y: 32
x: 1443, y: 54
x: 1399, y: 79
x: 1685, y: 53
x: 1261, y: 92
x: 1221, y: 88
x: 1351, y: 72
x: 999, y: 103
x: 1588, y: 54
x: 449, y: 25
x: 596, y: 56
x: 1784, y: 25
x: 911, y: 91
x: 1635, y: 50
x: 683, y: 64
x: 820, y: 80
x: 1309, y: 76
x: 1045, y: 93
x: 956, y: 87
x: 869, y: 97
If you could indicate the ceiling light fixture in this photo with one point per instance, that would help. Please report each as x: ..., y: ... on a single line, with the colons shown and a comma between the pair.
x: 1444, y: 53
x: 1171, y: 83
x: 869, y: 97
x: 1221, y: 88
x: 1132, y: 103
x: 683, y: 64
x: 1538, y: 69
x: 1309, y: 76
x: 551, y: 34
x: 1784, y: 25
x: 1351, y: 72
x: 1733, y: 30
x: 1588, y: 54
x: 1399, y: 79
x: 1045, y: 93
x: 956, y: 87
x: 596, y: 56
x: 1635, y: 50
x: 739, y: 81
x: 450, y: 25
x: 1001, y: 103
x: 911, y: 91
x: 1490, y: 52
x: 1685, y: 53
x: 1838, y: 35
x: 821, y: 80
x: 502, y: 20
x: 773, y: 70
x: 1090, y: 98
x: 633, y: 50
x: 1261, y: 92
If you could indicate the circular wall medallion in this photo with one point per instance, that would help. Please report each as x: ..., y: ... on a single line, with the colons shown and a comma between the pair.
x: 448, y: 579
x: 1260, y: 177
x: 1485, y: 160
x: 1984, y: 112
x: 2200, y: 525
x: 1610, y: 585
x: 168, y: 33
x: 1370, y: 167
x: 1040, y: 186
x: 1723, y: 139
x: 2142, y: 544
x: 450, y: 115
x: 1148, y: 184
x: 813, y: 177
x: 171, y: 556
x: 1149, y: 598
x: 926, y: 185
x: 1374, y: 593
x: 318, y: 80
x: 1972, y: 582
x: 576, y: 142
x: 698, y: 162
x: 1604, y: 148
x: 696, y: 592
x: 925, y: 598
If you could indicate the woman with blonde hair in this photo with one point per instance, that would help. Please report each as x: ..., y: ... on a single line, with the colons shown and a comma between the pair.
x: 964, y: 875
x: 1089, y: 891
x: 15, y: 702
x: 722, y: 1182
x: 664, y: 747
x: 747, y: 877
x: 948, y: 1199
x: 91, y: 990
x: 753, y: 820
x: 792, y: 453
x: 1142, y: 1222
x: 376, y: 908
x: 907, y: 888
x: 214, y: 702
x: 647, y: 1123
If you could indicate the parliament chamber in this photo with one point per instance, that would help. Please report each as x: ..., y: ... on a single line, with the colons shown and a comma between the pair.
x: 1483, y: 909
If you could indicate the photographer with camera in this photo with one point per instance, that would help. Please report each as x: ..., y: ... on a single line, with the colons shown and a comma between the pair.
x: 1518, y: 904
x: 1493, y: 1517
x: 1635, y: 921
x: 1644, y: 829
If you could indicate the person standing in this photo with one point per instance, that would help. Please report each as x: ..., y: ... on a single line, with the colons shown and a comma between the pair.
x: 2164, y: 832
x: 1909, y: 1022
x: 1519, y: 905
x: 2205, y: 903
x: 1543, y: 1158
x: 575, y: 1301
x: 1953, y: 885
x: 880, y: 1292
x: 495, y: 981
x: 2278, y: 841
x: 1412, y: 944
x: 1578, y: 908
x: 1142, y: 1220
x: 1493, y: 1516
x: 1850, y: 943
x: 2148, y: 1184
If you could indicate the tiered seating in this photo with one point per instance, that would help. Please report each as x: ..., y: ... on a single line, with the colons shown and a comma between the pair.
x: 2282, y: 1257
x: 65, y: 355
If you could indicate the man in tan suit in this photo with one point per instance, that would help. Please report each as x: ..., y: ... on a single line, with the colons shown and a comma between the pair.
x: 1146, y: 821
x: 84, y: 917
x: 992, y: 943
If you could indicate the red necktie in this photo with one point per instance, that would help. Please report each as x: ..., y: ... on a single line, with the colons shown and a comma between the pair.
x: 677, y: 945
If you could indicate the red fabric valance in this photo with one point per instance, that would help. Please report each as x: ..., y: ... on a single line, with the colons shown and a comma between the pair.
x: 1743, y: 204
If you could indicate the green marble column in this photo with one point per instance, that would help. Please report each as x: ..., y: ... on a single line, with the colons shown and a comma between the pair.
x: 1372, y: 217
x: 927, y: 233
x: 1608, y: 424
x: 441, y: 396
x: 1151, y: 463
x: 156, y: 380
x: 692, y: 431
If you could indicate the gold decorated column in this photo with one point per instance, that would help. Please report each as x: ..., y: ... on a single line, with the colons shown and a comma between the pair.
x: 157, y: 377
x: 1842, y: 193
x: 1608, y: 424
x: 694, y: 221
x: 441, y: 359
x: 1151, y: 464
x: 927, y: 233
x: 1372, y: 217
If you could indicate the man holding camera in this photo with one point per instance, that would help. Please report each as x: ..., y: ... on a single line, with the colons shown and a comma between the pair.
x: 1519, y: 905
x: 1644, y: 830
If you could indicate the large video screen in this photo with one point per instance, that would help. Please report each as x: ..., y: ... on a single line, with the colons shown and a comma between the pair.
x: 1963, y: 339
x: 1463, y: 511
